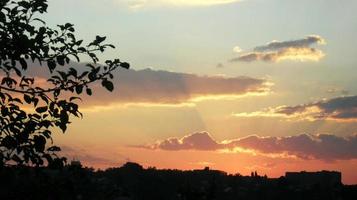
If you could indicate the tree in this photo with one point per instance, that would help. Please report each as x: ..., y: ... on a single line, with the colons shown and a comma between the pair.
x: 31, y: 111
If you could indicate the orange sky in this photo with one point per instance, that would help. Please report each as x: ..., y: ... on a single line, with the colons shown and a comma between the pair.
x: 284, y: 71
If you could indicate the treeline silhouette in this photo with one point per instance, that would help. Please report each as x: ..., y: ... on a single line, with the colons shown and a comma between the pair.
x: 133, y: 182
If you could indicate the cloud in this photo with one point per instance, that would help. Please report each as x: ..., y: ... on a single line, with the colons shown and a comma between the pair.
x: 219, y: 65
x: 164, y: 87
x: 295, y: 50
x: 88, y: 159
x: 197, y: 141
x: 337, y: 91
x: 150, y: 87
x: 301, y: 43
x: 337, y: 109
x: 304, y: 146
x: 137, y: 4
x: 294, y: 54
x: 322, y: 146
x: 237, y: 49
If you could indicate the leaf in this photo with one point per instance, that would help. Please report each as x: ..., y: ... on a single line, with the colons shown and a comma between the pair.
x: 51, y: 65
x: 79, y: 89
x: 73, y: 72
x: 63, y: 127
x: 60, y: 60
x: 99, y: 39
x: 108, y: 85
x: 4, y: 111
x: 44, y: 98
x: 89, y: 91
x: 79, y: 42
x: 64, y: 116
x: 125, y: 65
x: 27, y: 99
x: 35, y: 102
x: 111, y: 46
x: 92, y: 76
x: 57, y: 92
x: 47, y: 134
x: 17, y: 71
x: 23, y: 63
x: 41, y: 109
x: 82, y: 49
x: 40, y: 20
x: 39, y: 142
x: 8, y: 142
x: 74, y: 98
x: 54, y: 148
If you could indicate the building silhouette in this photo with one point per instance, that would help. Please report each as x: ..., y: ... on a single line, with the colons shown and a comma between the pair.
x: 321, y: 178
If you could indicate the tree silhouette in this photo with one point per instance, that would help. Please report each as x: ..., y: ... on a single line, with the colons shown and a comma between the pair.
x: 30, y: 110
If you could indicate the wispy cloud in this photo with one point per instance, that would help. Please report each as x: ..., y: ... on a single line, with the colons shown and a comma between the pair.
x: 304, y: 146
x: 337, y: 109
x: 276, y: 51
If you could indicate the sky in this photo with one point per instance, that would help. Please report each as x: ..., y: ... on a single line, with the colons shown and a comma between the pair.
x: 236, y: 85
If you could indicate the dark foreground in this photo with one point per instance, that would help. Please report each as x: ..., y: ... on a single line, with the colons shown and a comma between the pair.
x: 131, y: 182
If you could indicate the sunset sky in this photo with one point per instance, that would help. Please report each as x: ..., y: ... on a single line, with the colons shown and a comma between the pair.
x: 236, y: 85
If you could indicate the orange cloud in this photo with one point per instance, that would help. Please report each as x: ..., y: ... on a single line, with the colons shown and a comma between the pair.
x: 343, y: 109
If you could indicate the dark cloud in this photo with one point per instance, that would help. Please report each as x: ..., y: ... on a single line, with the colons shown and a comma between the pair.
x: 341, y: 108
x: 301, y: 43
x: 163, y: 87
x: 298, y: 50
x: 151, y: 86
x: 323, y: 146
x: 283, y: 54
x: 198, y: 141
